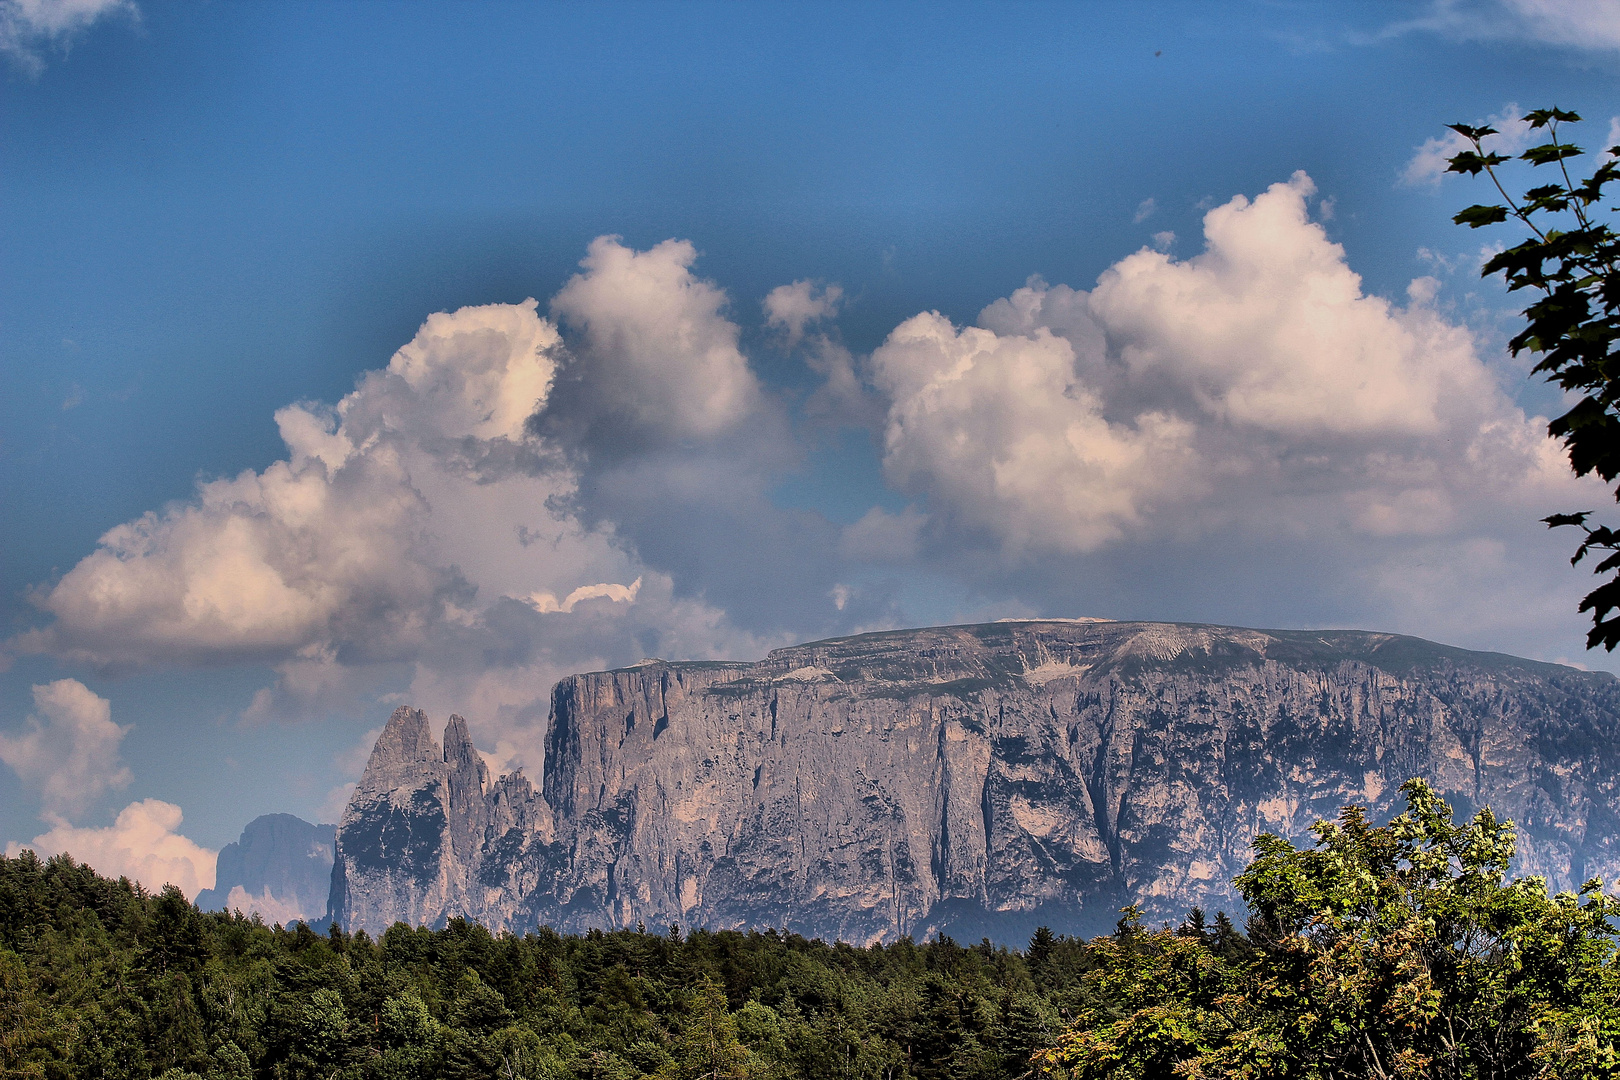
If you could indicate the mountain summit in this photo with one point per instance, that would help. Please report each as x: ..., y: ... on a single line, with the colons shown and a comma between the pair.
x: 281, y: 868
x: 976, y: 780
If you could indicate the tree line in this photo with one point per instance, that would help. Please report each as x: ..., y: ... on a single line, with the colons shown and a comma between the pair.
x: 1401, y: 950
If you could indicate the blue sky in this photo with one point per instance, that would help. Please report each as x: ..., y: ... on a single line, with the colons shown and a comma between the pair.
x: 211, y: 212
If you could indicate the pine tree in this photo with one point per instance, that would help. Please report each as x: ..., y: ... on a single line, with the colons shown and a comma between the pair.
x: 708, y: 1047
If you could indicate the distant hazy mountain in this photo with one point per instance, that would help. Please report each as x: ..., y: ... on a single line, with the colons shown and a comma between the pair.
x: 974, y: 780
x: 281, y: 868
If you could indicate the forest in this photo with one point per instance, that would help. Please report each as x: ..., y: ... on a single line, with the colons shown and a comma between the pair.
x: 1395, y: 950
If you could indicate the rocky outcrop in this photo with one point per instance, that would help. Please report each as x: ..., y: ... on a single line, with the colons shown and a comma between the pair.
x: 421, y: 825
x: 281, y: 868
x: 977, y: 780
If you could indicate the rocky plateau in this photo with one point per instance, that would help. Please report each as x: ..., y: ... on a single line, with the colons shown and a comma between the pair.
x: 970, y: 780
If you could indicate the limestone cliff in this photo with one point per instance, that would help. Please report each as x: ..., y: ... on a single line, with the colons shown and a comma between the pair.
x: 976, y: 780
x: 281, y: 868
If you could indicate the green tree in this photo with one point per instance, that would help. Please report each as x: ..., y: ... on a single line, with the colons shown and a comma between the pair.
x: 1392, y: 951
x: 1405, y: 951
x: 1573, y: 260
x: 25, y: 1033
x: 1161, y: 1000
x: 230, y: 1063
x: 708, y: 1047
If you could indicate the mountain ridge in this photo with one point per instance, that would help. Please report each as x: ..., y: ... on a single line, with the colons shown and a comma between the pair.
x: 969, y: 778
x: 280, y: 867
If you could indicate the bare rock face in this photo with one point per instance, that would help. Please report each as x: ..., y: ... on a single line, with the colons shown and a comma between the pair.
x: 975, y: 780
x: 280, y: 868
x: 419, y: 825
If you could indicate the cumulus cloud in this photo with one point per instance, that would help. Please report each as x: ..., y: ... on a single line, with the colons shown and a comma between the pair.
x: 1430, y: 161
x: 791, y: 308
x: 354, y: 543
x: 677, y: 444
x: 657, y: 362
x: 1253, y: 389
x: 1003, y: 437
x: 29, y: 27
x: 68, y: 750
x: 843, y: 397
x: 141, y: 845
x: 419, y: 523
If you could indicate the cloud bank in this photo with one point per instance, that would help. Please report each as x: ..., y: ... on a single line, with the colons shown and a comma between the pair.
x: 141, y: 845
x: 1253, y: 386
x: 1242, y: 435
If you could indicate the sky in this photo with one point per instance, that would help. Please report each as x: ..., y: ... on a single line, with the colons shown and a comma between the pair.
x: 354, y: 355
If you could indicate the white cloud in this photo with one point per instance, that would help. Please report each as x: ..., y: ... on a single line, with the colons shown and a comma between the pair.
x: 362, y: 539
x: 545, y: 602
x: 1254, y: 388
x: 656, y: 359
x: 1002, y: 436
x: 1144, y: 210
x: 1430, y: 161
x: 1580, y: 24
x: 1587, y: 24
x: 1269, y: 328
x: 791, y: 308
x: 418, y: 525
x: 71, y: 756
x: 388, y: 515
x: 842, y: 397
x: 678, y: 447
x: 29, y: 26
x: 141, y: 845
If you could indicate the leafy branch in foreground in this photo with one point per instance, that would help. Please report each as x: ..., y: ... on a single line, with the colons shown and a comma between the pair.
x: 1571, y: 258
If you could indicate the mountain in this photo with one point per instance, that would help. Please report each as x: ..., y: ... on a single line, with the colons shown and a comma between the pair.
x: 281, y: 868
x: 976, y: 780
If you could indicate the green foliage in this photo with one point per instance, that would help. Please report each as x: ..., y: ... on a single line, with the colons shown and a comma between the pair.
x: 1573, y: 259
x: 100, y: 979
x: 1401, y: 950
x: 1392, y: 951
x: 707, y: 1047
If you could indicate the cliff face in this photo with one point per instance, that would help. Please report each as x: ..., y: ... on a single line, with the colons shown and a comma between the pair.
x: 281, y: 868
x: 421, y: 825
x: 976, y: 780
